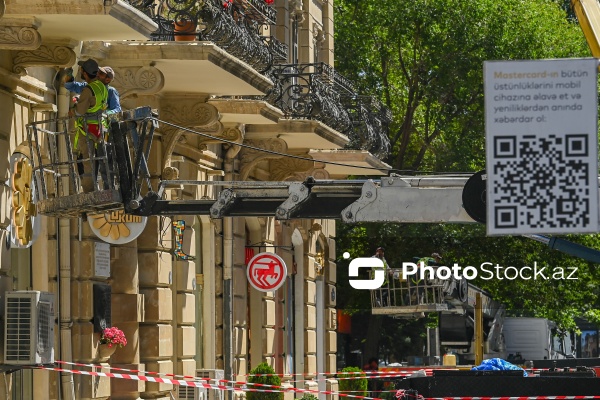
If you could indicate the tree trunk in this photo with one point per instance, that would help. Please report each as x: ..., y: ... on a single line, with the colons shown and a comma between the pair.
x: 371, y: 348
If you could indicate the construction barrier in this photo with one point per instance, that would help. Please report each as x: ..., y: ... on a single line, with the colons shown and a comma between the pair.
x: 222, y: 384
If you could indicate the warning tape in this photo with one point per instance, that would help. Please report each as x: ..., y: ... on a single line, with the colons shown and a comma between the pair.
x: 517, y: 398
x: 195, y: 383
x: 374, y: 373
x: 243, y: 386
x: 139, y: 378
x: 136, y: 371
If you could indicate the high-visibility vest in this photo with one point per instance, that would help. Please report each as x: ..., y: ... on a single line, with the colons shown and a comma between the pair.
x: 93, y: 126
x: 386, y: 269
x: 426, y: 261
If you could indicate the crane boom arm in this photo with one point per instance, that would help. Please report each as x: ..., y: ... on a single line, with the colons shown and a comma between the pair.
x: 588, y: 15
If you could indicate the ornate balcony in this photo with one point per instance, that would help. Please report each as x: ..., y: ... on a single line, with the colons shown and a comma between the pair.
x: 48, y: 26
x: 317, y: 91
x: 311, y: 91
x: 240, y: 27
x: 370, y: 120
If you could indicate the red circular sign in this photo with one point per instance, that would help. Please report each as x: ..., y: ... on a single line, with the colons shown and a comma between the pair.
x: 266, y: 272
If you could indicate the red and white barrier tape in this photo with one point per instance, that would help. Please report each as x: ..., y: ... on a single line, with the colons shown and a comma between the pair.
x: 517, y: 398
x: 144, y: 378
x: 243, y: 386
x: 367, y: 373
x: 196, y: 382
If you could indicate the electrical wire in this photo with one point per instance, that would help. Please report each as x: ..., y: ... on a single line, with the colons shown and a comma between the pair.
x: 411, y: 172
x: 271, y: 151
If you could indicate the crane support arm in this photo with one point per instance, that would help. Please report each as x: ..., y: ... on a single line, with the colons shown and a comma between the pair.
x: 418, y: 200
x: 588, y: 15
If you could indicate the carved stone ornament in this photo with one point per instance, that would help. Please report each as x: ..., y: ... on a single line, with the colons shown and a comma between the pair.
x: 138, y: 81
x: 45, y: 56
x: 284, y: 168
x: 190, y: 115
x: 249, y: 158
x: 317, y: 173
x: 19, y: 38
x: 196, y: 116
x: 2, y: 8
x: 296, y: 12
x: 230, y: 135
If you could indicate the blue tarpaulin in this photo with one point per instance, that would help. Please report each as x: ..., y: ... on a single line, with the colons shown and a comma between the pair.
x: 497, y: 364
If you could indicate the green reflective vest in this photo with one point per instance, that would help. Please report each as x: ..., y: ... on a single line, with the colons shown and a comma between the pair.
x: 101, y: 95
x: 386, y: 270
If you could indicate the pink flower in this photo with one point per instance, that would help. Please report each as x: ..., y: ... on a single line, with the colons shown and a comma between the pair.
x: 113, y: 336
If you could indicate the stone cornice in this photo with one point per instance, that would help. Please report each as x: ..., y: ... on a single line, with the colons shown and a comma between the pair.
x: 17, y: 35
x: 44, y: 56
x: 26, y: 86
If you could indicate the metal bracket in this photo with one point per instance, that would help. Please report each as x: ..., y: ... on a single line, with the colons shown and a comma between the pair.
x: 299, y: 193
x: 225, y: 201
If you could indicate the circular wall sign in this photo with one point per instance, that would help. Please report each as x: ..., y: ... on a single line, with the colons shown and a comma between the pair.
x: 24, y: 224
x: 266, y: 272
x: 117, y: 227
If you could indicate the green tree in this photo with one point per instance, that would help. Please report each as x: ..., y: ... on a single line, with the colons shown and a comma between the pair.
x: 424, y: 58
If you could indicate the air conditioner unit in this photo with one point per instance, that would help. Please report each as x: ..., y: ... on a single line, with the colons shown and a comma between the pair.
x: 28, y: 328
x: 198, y: 393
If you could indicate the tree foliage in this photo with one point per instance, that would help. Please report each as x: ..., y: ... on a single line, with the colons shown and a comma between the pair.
x: 424, y: 60
x: 353, y: 380
x: 264, y: 374
x: 560, y: 300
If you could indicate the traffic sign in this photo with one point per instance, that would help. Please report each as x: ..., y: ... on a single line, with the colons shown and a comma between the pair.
x: 266, y: 272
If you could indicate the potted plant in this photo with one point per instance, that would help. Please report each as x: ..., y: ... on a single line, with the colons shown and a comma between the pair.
x: 110, y: 339
x: 184, y: 15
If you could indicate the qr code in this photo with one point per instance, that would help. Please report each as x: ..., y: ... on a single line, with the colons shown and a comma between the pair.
x: 541, y: 182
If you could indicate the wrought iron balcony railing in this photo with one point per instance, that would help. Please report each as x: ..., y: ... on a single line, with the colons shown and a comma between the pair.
x: 240, y: 27
x: 317, y: 91
x: 370, y: 120
x: 311, y: 91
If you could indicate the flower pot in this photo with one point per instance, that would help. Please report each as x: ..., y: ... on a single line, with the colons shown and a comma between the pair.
x: 185, y: 31
x: 104, y: 352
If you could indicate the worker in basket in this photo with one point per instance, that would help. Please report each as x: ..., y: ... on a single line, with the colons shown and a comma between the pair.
x: 422, y: 291
x: 382, y: 295
x: 88, y: 109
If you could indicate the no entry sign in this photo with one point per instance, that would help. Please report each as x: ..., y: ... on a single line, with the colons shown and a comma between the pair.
x: 266, y: 272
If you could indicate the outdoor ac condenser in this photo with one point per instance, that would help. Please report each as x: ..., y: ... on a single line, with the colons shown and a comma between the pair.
x: 28, y: 328
x: 198, y: 393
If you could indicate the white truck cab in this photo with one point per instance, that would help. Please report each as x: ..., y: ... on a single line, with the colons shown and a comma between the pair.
x: 534, y: 339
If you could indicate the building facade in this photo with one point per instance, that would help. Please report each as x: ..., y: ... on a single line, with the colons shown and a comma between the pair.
x: 255, y: 80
